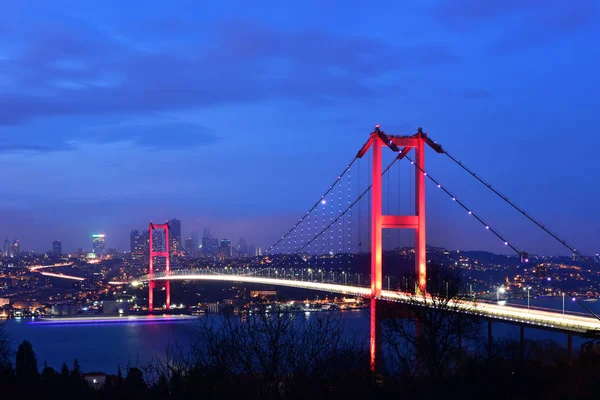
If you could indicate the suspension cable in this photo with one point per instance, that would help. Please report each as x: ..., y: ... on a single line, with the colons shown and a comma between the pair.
x: 463, y: 205
x: 519, y: 209
x: 314, y: 206
x: 346, y: 210
x: 532, y: 219
x: 319, y: 233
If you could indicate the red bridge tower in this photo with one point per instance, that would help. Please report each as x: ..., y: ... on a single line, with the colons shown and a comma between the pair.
x: 164, y: 254
x: 379, y: 221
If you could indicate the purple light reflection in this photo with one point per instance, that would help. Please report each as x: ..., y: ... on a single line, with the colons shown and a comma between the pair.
x: 112, y: 321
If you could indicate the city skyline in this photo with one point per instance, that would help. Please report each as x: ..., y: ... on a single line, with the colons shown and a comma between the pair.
x: 85, y: 95
x: 323, y: 199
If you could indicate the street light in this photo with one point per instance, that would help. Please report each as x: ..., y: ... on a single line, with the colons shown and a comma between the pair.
x: 500, y: 290
x: 563, y: 296
x: 528, y: 288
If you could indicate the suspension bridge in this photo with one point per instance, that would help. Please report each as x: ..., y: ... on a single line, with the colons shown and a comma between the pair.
x: 351, y: 222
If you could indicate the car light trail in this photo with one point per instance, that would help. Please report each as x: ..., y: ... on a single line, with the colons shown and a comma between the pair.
x: 536, y: 317
x: 75, y: 278
x: 37, y: 267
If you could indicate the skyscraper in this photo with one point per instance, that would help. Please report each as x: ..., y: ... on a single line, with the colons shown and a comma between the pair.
x: 7, y: 249
x: 98, y: 240
x: 145, y: 239
x: 132, y: 239
x: 242, y: 247
x: 205, y: 245
x: 213, y: 246
x: 189, y: 246
x: 15, y: 248
x: 225, y: 248
x: 194, y: 237
x: 137, y: 244
x: 57, y: 248
x: 158, y: 240
x: 175, y: 235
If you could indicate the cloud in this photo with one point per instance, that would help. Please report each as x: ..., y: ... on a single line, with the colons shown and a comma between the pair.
x: 524, y: 23
x: 150, y: 133
x: 153, y: 134
x: 32, y: 148
x: 82, y: 72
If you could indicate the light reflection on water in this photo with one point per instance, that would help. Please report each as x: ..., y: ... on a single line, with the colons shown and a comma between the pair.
x: 104, y: 346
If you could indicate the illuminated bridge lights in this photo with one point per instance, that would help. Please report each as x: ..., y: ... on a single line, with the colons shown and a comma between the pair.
x: 534, y: 317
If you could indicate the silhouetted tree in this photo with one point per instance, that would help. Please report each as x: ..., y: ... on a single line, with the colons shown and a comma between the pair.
x: 135, y: 386
x: 268, y: 355
x: 6, y: 368
x: 76, y: 380
x: 160, y: 390
x: 26, y: 368
x: 5, y: 351
x: 64, y: 372
x: 431, y: 340
x: 48, y: 373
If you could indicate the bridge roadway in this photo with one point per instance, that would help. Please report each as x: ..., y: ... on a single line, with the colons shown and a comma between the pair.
x: 535, y: 317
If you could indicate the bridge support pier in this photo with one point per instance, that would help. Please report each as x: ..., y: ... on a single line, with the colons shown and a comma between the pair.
x: 570, y: 350
x: 150, y: 295
x: 375, y: 352
x: 490, y: 340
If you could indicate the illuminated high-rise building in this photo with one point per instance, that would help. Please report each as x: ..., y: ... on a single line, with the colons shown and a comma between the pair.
x: 175, y: 235
x: 214, y: 246
x: 15, y: 248
x: 57, y: 248
x: 7, y: 249
x: 132, y: 239
x: 206, y: 245
x: 98, y: 241
x: 194, y: 237
x: 145, y: 240
x: 137, y: 244
x: 189, y: 246
x: 242, y: 247
x: 225, y: 248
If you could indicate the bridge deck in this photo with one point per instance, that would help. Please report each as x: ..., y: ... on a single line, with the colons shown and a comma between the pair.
x: 537, y: 318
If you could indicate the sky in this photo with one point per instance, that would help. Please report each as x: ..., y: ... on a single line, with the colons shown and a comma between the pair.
x: 237, y: 115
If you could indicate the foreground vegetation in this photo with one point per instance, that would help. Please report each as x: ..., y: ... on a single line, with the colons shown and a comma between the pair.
x: 283, y: 355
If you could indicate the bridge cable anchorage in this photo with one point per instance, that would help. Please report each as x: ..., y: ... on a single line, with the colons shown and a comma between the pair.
x: 315, y: 205
x: 520, y: 210
x: 464, y: 206
x: 530, y: 218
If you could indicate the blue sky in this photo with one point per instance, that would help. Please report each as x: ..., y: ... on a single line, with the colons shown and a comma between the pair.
x: 236, y: 116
